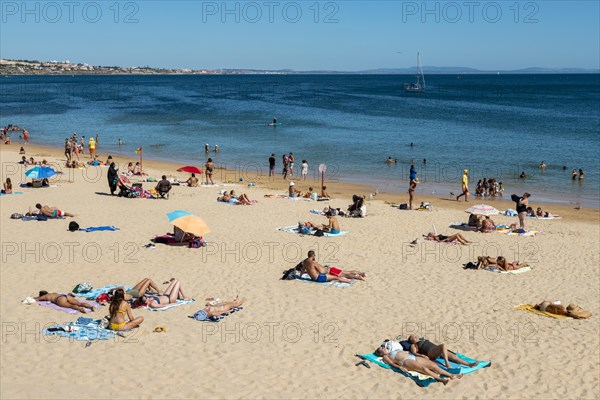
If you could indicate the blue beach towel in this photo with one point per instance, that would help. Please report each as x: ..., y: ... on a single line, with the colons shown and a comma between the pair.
x: 88, y: 329
x: 423, y: 380
x: 179, y: 303
x: 4, y: 194
x: 99, y: 228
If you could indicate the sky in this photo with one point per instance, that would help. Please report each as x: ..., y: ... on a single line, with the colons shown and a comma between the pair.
x: 305, y: 35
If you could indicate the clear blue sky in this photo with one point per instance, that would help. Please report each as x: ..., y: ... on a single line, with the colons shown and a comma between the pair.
x: 343, y: 35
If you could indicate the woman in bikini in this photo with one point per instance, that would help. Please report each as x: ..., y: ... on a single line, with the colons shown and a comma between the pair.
x: 218, y: 309
x: 405, y: 361
x: 7, y: 187
x: 446, y: 239
x: 118, y: 309
x: 209, y: 171
x: 64, y: 301
x: 500, y: 263
x: 172, y: 293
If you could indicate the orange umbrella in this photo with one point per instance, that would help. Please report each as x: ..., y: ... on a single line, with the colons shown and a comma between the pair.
x: 192, y: 224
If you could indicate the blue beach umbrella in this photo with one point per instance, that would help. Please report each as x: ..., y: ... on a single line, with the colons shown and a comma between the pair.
x: 40, y: 173
x: 177, y: 214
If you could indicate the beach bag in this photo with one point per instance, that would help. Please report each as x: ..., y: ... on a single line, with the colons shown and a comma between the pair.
x: 105, y: 322
x: 103, y: 298
x: 290, y: 274
x: 319, y: 233
x: 403, y: 206
x: 73, y: 226
x: 83, y: 287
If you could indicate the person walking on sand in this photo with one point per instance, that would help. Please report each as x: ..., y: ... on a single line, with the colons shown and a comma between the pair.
x: 209, y: 171
x: 291, y: 164
x: 465, y: 186
x: 272, y: 165
x: 68, y: 150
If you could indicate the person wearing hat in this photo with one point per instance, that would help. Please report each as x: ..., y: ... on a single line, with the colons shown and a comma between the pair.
x: 293, y: 192
x: 465, y: 186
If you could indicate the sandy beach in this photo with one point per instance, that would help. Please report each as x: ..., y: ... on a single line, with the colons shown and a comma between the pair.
x: 292, y: 339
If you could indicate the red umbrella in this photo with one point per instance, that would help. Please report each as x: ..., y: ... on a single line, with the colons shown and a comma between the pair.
x: 191, y: 169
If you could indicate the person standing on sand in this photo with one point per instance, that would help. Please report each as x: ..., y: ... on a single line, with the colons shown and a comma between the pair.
x: 284, y: 172
x: 209, y: 171
x: 411, y: 190
x: 304, y: 169
x: 291, y: 164
x: 465, y: 186
x: 522, y: 205
x: 92, y: 146
x: 68, y: 150
x: 272, y: 165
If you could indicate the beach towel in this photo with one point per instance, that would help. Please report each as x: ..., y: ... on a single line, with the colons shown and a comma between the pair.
x: 531, y: 308
x: 423, y: 380
x: 99, y: 228
x: 551, y: 217
x: 214, y: 319
x: 317, y: 212
x: 234, y: 202
x: 294, y: 229
x: 525, y: 233
x: 85, y: 329
x: 49, y: 304
x: 463, y: 226
x: 5, y: 194
x: 92, y: 294
x: 512, y: 272
x: 306, y: 279
x: 179, y: 303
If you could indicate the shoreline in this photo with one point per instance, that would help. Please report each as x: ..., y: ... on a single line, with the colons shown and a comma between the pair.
x: 339, y: 189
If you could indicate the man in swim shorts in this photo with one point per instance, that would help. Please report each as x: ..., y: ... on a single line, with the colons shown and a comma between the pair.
x: 52, y: 212
x: 320, y: 273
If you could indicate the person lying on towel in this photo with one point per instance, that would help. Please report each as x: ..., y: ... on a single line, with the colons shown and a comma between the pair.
x: 500, y: 263
x: 64, y: 301
x: 405, y: 361
x: 320, y: 273
x: 50, y: 212
x: 424, y: 348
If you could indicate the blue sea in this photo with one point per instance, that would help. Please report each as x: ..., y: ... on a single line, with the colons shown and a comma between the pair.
x: 497, y: 126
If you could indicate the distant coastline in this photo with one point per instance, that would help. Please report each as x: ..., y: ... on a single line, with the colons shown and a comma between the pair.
x: 29, y: 67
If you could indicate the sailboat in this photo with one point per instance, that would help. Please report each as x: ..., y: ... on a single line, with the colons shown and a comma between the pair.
x: 419, y: 85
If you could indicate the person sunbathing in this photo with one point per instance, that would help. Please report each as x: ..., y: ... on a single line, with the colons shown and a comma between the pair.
x: 138, y: 290
x: 324, y: 193
x: 474, y: 220
x: 118, y: 309
x: 333, y: 225
x: 50, y: 212
x: 500, y: 263
x: 192, y: 181
x: 64, y: 301
x: 405, y: 361
x: 487, y: 225
x: 172, y: 293
x: 320, y: 273
x: 7, y: 187
x: 424, y: 348
x: 217, y: 309
x: 446, y: 239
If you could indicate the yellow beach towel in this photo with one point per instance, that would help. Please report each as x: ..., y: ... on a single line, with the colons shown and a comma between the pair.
x: 530, y: 308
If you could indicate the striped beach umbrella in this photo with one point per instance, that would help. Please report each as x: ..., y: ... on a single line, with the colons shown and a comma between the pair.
x: 482, y: 209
